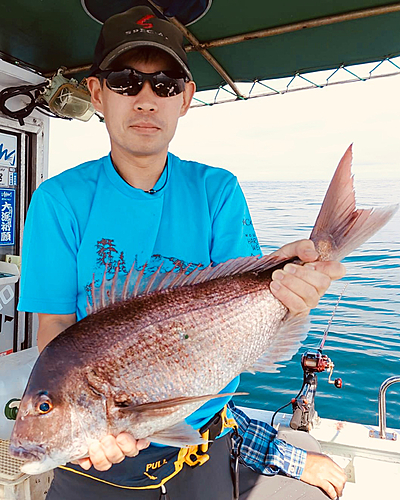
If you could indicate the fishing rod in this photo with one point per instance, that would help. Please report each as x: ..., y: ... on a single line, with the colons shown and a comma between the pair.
x: 313, y: 361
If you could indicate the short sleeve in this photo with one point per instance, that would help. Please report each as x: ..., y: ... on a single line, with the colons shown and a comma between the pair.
x: 233, y: 234
x: 48, y: 273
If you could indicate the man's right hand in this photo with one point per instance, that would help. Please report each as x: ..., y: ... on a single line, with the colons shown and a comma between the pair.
x: 323, y: 472
x: 112, y: 450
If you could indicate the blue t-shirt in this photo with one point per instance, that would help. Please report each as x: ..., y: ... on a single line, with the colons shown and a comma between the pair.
x: 88, y: 221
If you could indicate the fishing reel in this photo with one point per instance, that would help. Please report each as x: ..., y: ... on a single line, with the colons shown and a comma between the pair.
x: 316, y: 362
x: 303, y: 405
x: 312, y: 362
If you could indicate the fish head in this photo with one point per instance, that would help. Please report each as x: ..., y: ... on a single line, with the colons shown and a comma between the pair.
x: 52, y: 419
x: 42, y: 431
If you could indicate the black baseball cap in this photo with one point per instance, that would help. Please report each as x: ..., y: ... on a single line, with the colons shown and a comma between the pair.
x: 137, y: 27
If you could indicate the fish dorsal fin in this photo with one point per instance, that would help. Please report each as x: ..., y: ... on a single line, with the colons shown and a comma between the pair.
x: 137, y: 283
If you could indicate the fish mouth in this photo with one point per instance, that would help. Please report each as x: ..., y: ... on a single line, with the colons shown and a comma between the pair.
x: 31, y: 452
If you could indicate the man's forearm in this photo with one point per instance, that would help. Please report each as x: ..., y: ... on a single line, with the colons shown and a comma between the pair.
x: 263, y: 452
x: 50, y: 325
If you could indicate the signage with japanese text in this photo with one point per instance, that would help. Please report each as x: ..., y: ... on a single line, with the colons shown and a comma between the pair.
x: 7, y: 216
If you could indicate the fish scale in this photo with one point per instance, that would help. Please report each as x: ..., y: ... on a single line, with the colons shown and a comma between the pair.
x: 173, y: 358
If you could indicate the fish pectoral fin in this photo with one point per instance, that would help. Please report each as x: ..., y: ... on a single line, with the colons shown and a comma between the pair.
x: 180, y: 435
x: 284, y: 346
x: 167, y: 406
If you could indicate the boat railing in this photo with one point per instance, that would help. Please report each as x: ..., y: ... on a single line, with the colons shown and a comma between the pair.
x: 382, y: 434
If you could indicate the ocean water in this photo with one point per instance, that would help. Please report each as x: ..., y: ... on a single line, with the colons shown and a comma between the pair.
x: 364, y: 339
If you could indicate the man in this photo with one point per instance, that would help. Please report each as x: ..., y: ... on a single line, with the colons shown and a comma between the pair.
x: 141, y: 204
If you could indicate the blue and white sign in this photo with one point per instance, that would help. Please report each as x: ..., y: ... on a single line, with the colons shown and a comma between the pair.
x: 12, y: 178
x: 8, y: 150
x: 7, y: 216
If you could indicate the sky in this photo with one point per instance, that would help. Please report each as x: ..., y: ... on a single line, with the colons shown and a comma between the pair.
x: 294, y: 136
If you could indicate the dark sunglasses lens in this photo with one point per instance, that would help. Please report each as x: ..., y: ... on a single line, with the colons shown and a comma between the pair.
x: 165, y: 86
x: 124, y: 82
x: 130, y: 82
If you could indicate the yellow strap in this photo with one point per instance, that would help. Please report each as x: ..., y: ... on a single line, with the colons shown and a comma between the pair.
x: 178, y: 467
x: 196, y: 455
x: 206, y: 437
x: 227, y: 423
x: 193, y: 457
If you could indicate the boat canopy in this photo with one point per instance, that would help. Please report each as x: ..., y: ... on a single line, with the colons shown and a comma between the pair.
x: 227, y: 41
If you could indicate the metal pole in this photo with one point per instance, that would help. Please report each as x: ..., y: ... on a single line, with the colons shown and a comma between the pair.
x: 382, y: 404
x: 289, y: 28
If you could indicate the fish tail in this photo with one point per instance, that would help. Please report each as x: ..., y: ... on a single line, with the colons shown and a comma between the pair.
x: 340, y: 226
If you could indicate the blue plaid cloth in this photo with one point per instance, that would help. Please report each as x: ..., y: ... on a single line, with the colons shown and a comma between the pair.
x: 262, y: 451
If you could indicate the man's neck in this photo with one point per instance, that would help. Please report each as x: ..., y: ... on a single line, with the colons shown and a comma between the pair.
x: 141, y: 172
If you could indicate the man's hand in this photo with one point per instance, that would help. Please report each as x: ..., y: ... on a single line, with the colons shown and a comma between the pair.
x: 300, y: 288
x: 323, y: 472
x: 110, y: 450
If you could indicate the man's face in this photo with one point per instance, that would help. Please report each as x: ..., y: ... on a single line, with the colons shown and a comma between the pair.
x: 141, y: 125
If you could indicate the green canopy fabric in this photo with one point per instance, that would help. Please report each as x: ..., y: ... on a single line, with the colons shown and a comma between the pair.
x: 45, y: 35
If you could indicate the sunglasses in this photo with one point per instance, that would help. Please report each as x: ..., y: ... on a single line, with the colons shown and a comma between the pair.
x: 130, y: 82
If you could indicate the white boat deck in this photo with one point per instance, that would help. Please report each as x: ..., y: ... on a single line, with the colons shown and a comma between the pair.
x: 372, y: 465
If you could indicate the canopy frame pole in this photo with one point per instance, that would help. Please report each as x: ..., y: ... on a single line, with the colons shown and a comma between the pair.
x: 197, y: 46
x: 289, y: 28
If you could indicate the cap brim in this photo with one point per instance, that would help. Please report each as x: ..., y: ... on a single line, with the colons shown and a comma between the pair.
x: 122, y: 49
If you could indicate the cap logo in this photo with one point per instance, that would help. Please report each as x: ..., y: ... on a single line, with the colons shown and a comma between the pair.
x: 143, y: 22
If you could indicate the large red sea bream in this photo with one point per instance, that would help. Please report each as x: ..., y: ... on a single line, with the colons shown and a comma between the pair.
x: 144, y: 363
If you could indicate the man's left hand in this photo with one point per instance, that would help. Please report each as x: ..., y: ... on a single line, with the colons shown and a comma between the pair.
x: 323, y: 472
x: 300, y: 288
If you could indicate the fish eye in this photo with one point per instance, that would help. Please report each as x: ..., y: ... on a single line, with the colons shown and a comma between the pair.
x: 44, y: 407
x: 44, y: 404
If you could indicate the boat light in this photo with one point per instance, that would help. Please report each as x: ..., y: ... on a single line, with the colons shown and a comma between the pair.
x: 68, y: 98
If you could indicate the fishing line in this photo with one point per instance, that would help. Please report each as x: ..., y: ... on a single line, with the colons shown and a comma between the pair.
x: 322, y: 343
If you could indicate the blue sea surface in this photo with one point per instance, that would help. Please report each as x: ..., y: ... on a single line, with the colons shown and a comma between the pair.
x: 364, y: 339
